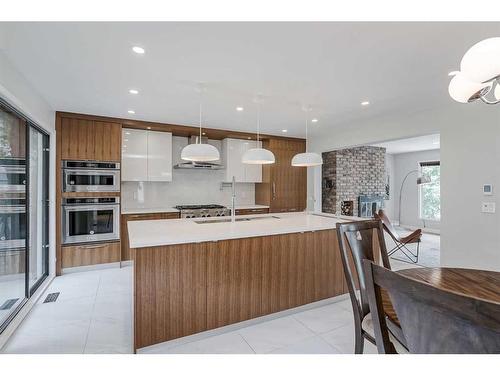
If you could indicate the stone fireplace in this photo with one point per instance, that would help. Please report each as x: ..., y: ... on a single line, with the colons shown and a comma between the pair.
x: 349, y: 174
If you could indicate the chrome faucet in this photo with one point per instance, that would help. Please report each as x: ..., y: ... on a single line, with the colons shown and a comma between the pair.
x: 233, y: 200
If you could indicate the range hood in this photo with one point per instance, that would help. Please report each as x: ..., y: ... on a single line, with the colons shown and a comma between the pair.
x: 198, y: 164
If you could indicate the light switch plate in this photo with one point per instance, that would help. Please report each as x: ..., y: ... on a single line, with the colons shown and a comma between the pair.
x: 488, y: 207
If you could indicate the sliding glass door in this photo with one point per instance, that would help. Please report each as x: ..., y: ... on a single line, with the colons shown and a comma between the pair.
x: 24, y: 214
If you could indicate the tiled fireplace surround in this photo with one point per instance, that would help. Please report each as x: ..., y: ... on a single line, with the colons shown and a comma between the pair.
x: 352, y: 172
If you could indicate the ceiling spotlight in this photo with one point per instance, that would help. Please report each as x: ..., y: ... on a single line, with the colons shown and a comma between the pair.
x: 314, y: 120
x: 133, y: 91
x: 131, y: 111
x: 239, y: 109
x: 284, y: 130
x: 366, y: 102
x: 453, y: 73
x: 138, y: 50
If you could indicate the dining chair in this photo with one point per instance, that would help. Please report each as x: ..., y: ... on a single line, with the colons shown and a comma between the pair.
x: 356, y: 243
x: 401, y: 243
x: 433, y: 320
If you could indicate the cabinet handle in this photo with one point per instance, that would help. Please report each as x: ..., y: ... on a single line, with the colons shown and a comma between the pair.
x: 94, y: 246
x: 274, y: 190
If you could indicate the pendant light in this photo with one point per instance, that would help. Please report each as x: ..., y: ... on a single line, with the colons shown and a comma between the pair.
x: 258, y: 155
x: 307, y: 159
x: 200, y: 151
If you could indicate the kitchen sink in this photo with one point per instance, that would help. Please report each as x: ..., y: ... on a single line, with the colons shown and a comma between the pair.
x: 228, y: 219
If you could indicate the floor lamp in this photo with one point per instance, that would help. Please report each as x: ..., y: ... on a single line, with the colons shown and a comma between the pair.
x: 420, y: 180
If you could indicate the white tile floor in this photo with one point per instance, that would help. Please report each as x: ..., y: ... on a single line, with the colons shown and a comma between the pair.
x: 94, y: 315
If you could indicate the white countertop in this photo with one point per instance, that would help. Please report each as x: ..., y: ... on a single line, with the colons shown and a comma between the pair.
x: 149, y: 210
x: 146, y: 233
x: 249, y: 207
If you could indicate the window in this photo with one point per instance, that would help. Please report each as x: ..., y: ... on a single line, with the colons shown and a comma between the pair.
x: 430, y: 192
x: 24, y: 214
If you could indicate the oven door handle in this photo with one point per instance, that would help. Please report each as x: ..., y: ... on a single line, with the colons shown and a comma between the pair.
x: 91, y: 207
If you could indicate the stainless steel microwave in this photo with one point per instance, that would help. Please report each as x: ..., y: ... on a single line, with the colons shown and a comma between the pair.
x: 82, y: 176
x: 12, y: 223
x: 90, y: 219
x: 12, y: 175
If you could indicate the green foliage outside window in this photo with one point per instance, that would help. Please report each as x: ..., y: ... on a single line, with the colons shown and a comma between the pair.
x: 430, y: 194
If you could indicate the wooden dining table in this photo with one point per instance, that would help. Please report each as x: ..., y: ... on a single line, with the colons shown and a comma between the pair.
x: 480, y: 284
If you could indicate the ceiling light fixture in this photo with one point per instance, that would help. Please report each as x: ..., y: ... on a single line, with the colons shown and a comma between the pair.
x: 131, y: 111
x: 133, y: 91
x: 258, y: 155
x: 138, y: 50
x: 307, y: 159
x: 200, y: 151
x: 284, y: 130
x: 314, y: 120
x: 479, y: 74
x: 239, y: 109
x: 453, y: 73
x: 366, y: 102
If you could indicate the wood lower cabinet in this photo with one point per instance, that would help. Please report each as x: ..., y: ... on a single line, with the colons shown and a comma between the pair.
x: 125, y: 218
x: 184, y: 289
x: 252, y: 211
x: 283, y: 187
x: 169, y: 292
x: 83, y: 139
x: 90, y: 254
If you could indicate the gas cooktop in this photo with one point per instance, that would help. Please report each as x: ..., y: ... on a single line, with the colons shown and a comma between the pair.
x: 202, y: 210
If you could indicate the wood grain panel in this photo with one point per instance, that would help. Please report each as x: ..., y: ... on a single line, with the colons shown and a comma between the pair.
x: 169, y: 293
x: 108, y: 148
x: 234, y: 281
x: 78, y: 139
x: 125, y: 218
x: 89, y: 254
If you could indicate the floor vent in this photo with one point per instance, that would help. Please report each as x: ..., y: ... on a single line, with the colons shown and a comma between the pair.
x: 8, y: 304
x: 51, y: 297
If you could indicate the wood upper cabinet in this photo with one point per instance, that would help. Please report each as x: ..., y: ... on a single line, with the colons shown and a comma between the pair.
x: 90, y: 140
x: 283, y: 187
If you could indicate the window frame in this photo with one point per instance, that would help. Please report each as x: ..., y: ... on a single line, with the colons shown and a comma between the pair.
x: 419, y: 168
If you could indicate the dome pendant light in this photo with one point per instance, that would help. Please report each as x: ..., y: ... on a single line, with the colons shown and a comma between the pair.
x: 258, y: 155
x: 307, y: 159
x: 200, y: 151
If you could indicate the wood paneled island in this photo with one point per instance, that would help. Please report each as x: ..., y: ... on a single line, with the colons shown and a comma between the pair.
x: 191, y: 277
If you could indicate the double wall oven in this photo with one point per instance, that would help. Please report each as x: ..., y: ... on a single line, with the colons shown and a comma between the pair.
x: 90, y: 219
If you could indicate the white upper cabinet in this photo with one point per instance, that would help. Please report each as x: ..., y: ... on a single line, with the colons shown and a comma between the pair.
x: 159, y: 156
x: 232, y: 152
x: 146, y: 155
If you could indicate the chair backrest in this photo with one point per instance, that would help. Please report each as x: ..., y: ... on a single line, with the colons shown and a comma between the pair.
x: 356, y: 242
x: 387, y: 224
x: 432, y: 320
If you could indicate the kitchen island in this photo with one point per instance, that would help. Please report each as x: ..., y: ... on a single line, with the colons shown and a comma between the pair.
x: 192, y: 275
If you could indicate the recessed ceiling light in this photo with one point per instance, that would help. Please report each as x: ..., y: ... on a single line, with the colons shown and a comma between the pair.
x: 138, y: 50
x: 314, y: 120
x: 239, y: 109
x: 366, y: 102
x: 453, y: 73
x: 131, y: 111
x: 284, y: 130
x: 133, y: 91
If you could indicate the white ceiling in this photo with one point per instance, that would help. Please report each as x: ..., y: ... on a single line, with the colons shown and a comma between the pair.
x: 89, y: 67
x: 423, y: 143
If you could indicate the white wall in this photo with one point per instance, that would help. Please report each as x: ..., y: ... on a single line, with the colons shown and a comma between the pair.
x: 404, y: 163
x: 187, y: 187
x: 470, y: 157
x: 18, y: 92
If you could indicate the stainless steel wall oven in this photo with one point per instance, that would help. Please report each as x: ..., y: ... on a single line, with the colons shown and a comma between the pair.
x: 90, y: 219
x: 81, y: 176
